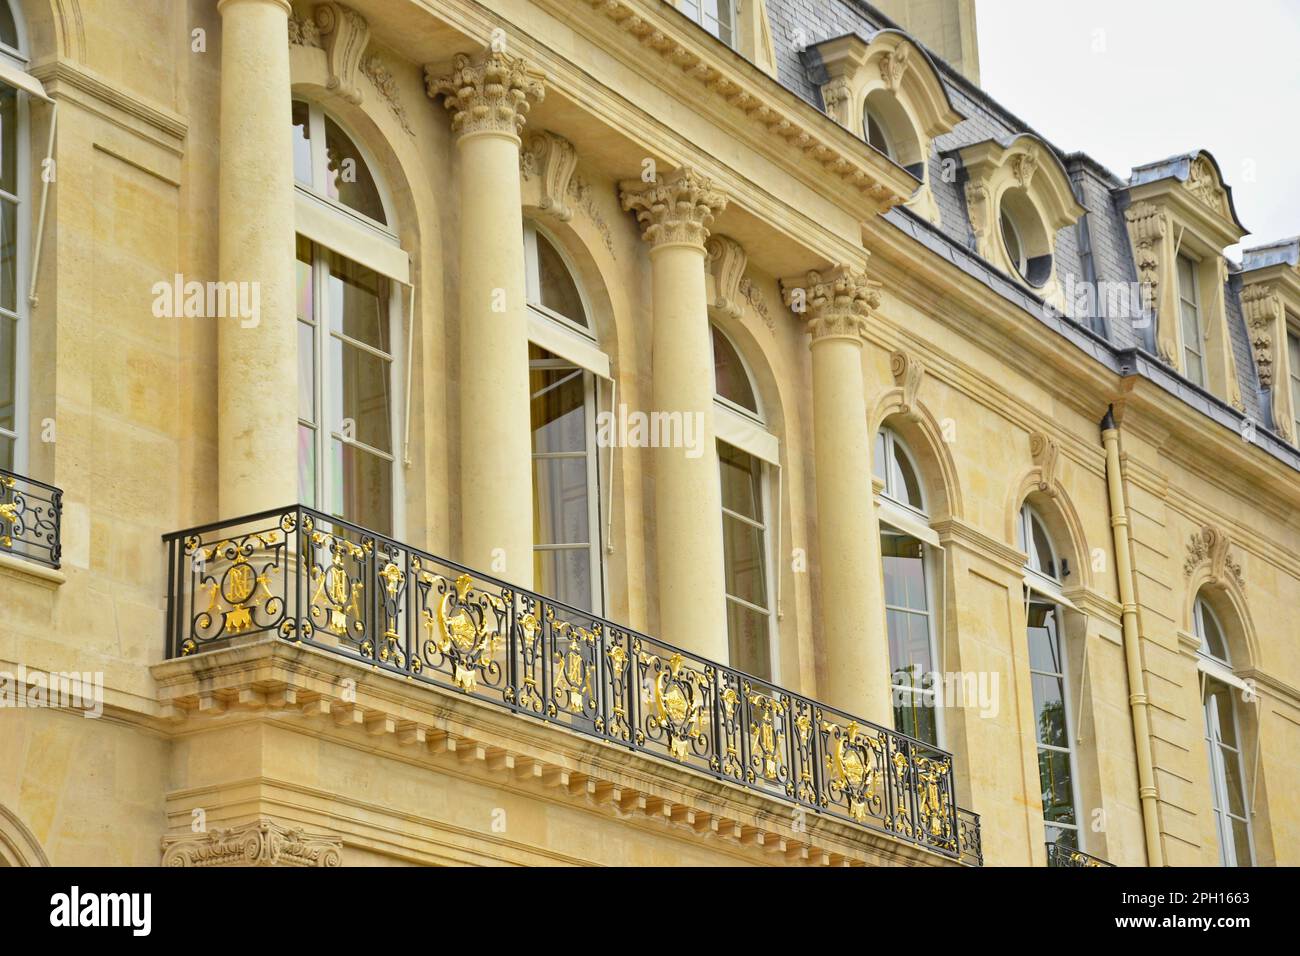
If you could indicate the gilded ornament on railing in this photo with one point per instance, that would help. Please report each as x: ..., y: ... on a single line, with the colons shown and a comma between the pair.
x: 8, y: 513
x: 617, y: 682
x: 934, y: 800
x: 465, y: 632
x: 575, y: 665
x: 766, y: 737
x: 237, y: 575
x: 529, y: 630
x: 336, y: 592
x: 679, y: 703
x: 853, y: 769
x: 393, y: 579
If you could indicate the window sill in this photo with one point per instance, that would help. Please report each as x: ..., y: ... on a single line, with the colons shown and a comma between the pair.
x: 11, y: 565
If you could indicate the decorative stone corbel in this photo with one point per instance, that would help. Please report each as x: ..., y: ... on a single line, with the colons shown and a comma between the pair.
x: 554, y: 159
x: 1046, y: 454
x: 345, y: 34
x: 894, y: 64
x: 260, y: 843
x: 977, y: 203
x: 1147, y: 227
x: 1022, y: 168
x: 1210, y: 546
x: 727, y: 261
x: 1264, y: 312
x: 908, y: 373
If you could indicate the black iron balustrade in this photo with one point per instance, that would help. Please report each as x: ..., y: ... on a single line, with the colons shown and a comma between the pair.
x: 31, y: 513
x: 1058, y: 854
x: 309, y: 578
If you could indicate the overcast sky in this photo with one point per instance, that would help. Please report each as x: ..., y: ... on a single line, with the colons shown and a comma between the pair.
x: 1131, y: 81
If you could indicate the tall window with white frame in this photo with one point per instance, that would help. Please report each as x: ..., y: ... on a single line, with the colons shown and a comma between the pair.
x: 564, y: 368
x: 907, y: 547
x: 1047, y: 668
x: 716, y: 16
x: 1293, y: 356
x: 13, y: 209
x: 1223, y: 740
x: 347, y: 350
x: 1189, y: 311
x: 746, y: 458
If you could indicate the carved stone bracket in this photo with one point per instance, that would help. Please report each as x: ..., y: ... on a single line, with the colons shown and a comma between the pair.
x: 677, y: 208
x: 487, y: 92
x: 261, y: 843
x: 345, y: 34
x: 1046, y: 454
x: 1210, y: 545
x: 1147, y: 227
x: 554, y: 159
x: 1263, y: 308
x: 908, y: 373
x: 894, y: 64
x: 836, y: 302
x: 727, y: 261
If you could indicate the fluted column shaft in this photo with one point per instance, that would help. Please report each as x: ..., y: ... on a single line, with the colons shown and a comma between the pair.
x: 257, y: 355
x: 838, y: 303
x: 675, y: 212
x: 489, y: 95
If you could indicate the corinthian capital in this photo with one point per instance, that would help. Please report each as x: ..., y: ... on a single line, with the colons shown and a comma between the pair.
x: 836, y: 302
x: 487, y: 92
x: 677, y: 208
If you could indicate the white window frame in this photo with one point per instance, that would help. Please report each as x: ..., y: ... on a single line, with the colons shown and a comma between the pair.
x: 1293, y: 374
x: 573, y: 345
x: 1007, y: 220
x: 868, y: 114
x: 320, y: 170
x: 15, y: 61
x: 1193, y: 302
x: 726, y: 31
x: 324, y: 393
x: 746, y: 431
x: 1219, y: 669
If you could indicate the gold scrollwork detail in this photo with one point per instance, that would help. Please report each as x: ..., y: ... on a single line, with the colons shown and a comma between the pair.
x: 679, y: 697
x: 572, y: 689
x: 337, y: 594
x: 852, y: 769
x: 459, y: 630
x: 766, y: 737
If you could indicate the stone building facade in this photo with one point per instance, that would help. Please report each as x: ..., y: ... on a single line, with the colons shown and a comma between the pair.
x: 705, y: 434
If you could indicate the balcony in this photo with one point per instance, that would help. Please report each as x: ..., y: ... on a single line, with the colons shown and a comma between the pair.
x: 30, y: 516
x: 315, y: 580
x: 1060, y: 855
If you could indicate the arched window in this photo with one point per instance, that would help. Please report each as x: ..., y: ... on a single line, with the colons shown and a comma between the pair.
x: 349, y: 338
x: 747, y: 456
x: 1047, y: 669
x: 1223, y: 741
x: 907, y: 557
x: 14, y: 207
x: 564, y: 371
x: 1024, y: 237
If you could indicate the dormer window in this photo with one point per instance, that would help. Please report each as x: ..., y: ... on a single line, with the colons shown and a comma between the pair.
x: 876, y: 133
x: 716, y: 16
x: 1293, y: 353
x: 1189, y: 312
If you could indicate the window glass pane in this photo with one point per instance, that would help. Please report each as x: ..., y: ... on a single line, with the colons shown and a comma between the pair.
x: 731, y: 380
x: 8, y: 138
x: 1212, y: 640
x: 558, y: 290
x: 8, y: 255
x: 1063, y: 836
x: 749, y: 647
x: 904, y: 570
x: 301, y: 143
x: 1049, y: 710
x: 876, y: 134
x: 915, y: 717
x: 564, y: 575
x: 742, y: 546
x: 302, y: 275
x: 561, y: 508
x: 741, y: 481
x: 359, y: 392
x: 1012, y: 240
x: 8, y: 28
x: 1046, y: 564
x: 6, y: 453
x: 1044, y: 649
x: 8, y: 372
x: 906, y: 486
x: 307, y: 466
x: 878, y: 456
x: 363, y: 487
x: 348, y: 178
x: 306, y: 372
x: 1058, y: 787
x: 1186, y: 279
x: 559, y: 418
x: 358, y: 302
x: 1241, y: 842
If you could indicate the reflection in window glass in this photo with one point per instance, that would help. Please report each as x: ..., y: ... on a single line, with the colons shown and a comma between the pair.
x: 348, y: 178
x: 8, y: 26
x: 876, y: 134
x: 558, y: 292
x: 911, y: 644
x: 744, y: 540
x: 893, y: 462
x: 565, y: 500
x: 731, y: 381
x: 1055, y: 751
x: 301, y: 143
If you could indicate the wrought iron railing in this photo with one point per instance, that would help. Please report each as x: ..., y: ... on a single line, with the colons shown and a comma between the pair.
x: 31, y: 513
x: 1058, y: 854
x: 309, y: 578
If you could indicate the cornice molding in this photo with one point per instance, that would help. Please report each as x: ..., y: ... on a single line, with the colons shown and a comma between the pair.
x: 986, y: 546
x: 60, y: 76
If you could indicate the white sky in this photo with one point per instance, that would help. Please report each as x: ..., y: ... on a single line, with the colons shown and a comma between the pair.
x: 1132, y: 81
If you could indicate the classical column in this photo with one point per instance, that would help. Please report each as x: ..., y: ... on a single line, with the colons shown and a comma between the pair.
x: 489, y: 95
x: 675, y: 212
x: 837, y: 303
x: 257, y: 354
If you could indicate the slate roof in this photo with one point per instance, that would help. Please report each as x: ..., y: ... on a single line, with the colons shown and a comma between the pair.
x: 1095, y: 249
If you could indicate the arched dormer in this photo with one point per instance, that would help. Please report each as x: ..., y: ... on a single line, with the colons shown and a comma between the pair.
x: 1019, y: 197
x: 888, y: 91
